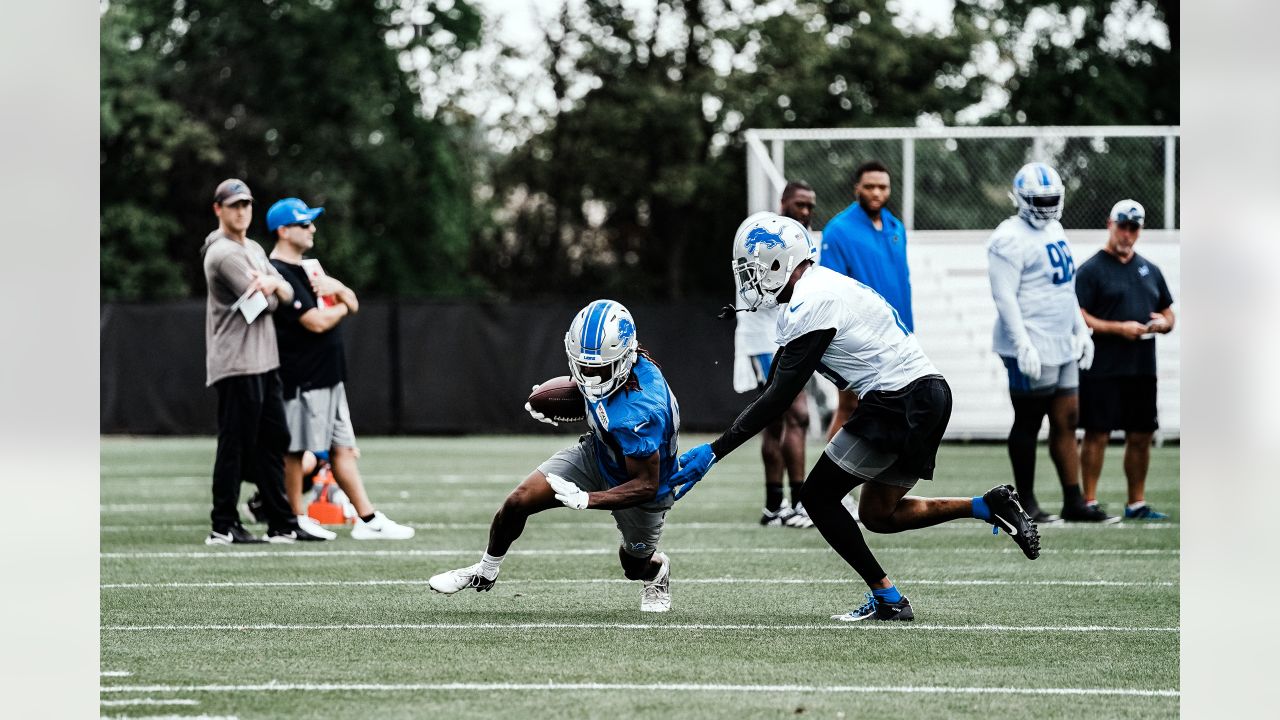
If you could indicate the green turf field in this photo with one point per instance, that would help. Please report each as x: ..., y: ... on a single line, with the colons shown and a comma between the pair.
x: 350, y: 629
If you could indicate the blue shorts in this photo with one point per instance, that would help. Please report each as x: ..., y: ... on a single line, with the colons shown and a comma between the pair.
x: 1061, y: 379
x: 761, y: 364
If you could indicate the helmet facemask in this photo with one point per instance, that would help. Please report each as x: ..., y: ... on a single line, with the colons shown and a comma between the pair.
x: 758, y: 285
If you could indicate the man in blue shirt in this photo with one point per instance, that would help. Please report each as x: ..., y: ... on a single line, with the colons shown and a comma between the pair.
x: 867, y: 243
x: 623, y: 464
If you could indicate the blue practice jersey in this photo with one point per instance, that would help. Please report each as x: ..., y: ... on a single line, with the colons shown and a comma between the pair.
x: 637, y: 423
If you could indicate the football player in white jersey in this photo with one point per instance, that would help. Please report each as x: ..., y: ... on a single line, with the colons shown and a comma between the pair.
x: 782, y: 443
x: 835, y: 325
x: 1041, y: 337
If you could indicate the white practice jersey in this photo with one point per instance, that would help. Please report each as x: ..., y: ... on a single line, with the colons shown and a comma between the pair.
x: 872, y: 349
x: 1039, y: 265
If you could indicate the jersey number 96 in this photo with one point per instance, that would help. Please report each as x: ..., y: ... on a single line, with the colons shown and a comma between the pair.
x: 1060, y: 258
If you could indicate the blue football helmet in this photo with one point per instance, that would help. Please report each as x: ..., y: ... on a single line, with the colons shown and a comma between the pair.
x: 1038, y: 191
x: 766, y: 249
x: 602, y: 348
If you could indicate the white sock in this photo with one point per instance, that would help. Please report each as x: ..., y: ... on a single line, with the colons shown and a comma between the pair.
x: 489, y: 565
x: 1135, y: 506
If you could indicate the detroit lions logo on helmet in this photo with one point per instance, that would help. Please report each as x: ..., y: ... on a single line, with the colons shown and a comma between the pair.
x: 626, y: 330
x: 760, y: 235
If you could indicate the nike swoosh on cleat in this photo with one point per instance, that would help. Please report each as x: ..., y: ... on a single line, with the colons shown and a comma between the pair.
x: 1008, y: 528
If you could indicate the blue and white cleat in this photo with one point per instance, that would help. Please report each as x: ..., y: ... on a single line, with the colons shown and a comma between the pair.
x: 875, y: 609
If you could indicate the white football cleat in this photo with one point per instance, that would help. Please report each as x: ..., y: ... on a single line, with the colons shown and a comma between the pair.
x: 461, y: 579
x: 311, y: 526
x: 380, y: 527
x: 655, y: 596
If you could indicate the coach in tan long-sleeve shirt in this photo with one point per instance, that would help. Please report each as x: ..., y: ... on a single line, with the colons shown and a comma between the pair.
x: 241, y: 361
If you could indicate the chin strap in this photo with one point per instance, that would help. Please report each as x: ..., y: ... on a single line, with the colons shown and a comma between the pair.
x: 728, y: 311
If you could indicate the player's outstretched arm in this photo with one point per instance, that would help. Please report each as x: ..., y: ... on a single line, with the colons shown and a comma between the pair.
x: 796, y: 363
x: 793, y: 367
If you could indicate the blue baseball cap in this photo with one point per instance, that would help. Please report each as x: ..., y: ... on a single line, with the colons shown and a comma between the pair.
x: 290, y: 211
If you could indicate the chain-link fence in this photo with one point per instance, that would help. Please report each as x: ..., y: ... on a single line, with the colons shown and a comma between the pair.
x: 959, y: 178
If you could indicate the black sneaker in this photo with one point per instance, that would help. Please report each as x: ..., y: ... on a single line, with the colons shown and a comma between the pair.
x: 1007, y: 514
x: 254, y: 508
x: 297, y: 534
x: 1088, y: 513
x: 234, y: 535
x: 1041, y: 517
x: 875, y: 609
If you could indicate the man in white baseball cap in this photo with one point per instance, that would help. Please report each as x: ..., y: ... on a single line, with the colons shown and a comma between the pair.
x: 1126, y: 302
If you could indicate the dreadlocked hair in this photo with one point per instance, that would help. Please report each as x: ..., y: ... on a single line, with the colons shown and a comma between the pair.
x: 633, y: 382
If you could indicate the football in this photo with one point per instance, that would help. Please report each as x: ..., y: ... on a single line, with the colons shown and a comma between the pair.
x: 559, y: 399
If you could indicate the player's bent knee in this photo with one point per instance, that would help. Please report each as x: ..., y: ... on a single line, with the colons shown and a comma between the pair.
x: 518, y: 502
x: 633, y: 567
x: 874, y: 521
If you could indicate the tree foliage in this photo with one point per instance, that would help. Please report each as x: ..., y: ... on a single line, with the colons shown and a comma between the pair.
x: 630, y: 179
x: 305, y: 99
x: 639, y: 179
x: 1084, y: 62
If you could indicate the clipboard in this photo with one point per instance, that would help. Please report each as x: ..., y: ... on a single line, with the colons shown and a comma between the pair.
x: 250, y: 304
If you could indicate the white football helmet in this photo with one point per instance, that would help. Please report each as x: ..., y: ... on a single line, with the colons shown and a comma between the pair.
x: 766, y: 249
x: 601, y: 345
x: 1038, y: 191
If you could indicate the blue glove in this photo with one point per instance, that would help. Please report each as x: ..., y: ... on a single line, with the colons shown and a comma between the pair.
x: 694, y: 465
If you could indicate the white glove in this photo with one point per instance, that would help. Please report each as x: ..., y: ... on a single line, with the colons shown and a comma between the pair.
x: 566, y: 492
x: 537, y: 415
x: 1084, y: 349
x: 1029, y: 361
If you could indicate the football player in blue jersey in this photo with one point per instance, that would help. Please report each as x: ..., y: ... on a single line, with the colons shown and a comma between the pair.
x: 835, y: 325
x: 624, y: 464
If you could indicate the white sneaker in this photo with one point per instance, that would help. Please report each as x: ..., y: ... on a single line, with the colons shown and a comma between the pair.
x: 380, y: 527
x: 306, y: 523
x: 655, y: 596
x: 460, y: 579
x: 799, y: 517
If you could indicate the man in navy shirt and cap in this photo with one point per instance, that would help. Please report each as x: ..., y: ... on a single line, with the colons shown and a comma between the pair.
x: 1125, y: 301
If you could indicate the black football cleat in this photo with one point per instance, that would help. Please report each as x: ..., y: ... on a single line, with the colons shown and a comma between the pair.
x: 875, y: 609
x: 1007, y: 514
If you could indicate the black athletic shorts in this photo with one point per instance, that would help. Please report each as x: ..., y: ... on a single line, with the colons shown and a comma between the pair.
x: 1118, y: 403
x: 909, y: 422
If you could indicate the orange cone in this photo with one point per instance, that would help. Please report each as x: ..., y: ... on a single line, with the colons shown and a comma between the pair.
x: 328, y: 500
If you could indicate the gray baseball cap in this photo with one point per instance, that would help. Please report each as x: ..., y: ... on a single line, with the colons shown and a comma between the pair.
x: 231, y: 190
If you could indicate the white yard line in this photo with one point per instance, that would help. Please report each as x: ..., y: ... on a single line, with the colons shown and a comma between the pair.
x: 834, y: 625
x: 620, y: 581
x: 676, y: 525
x: 664, y: 687
x: 149, y: 701
x: 236, y: 554
x: 115, y: 673
x: 169, y: 717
